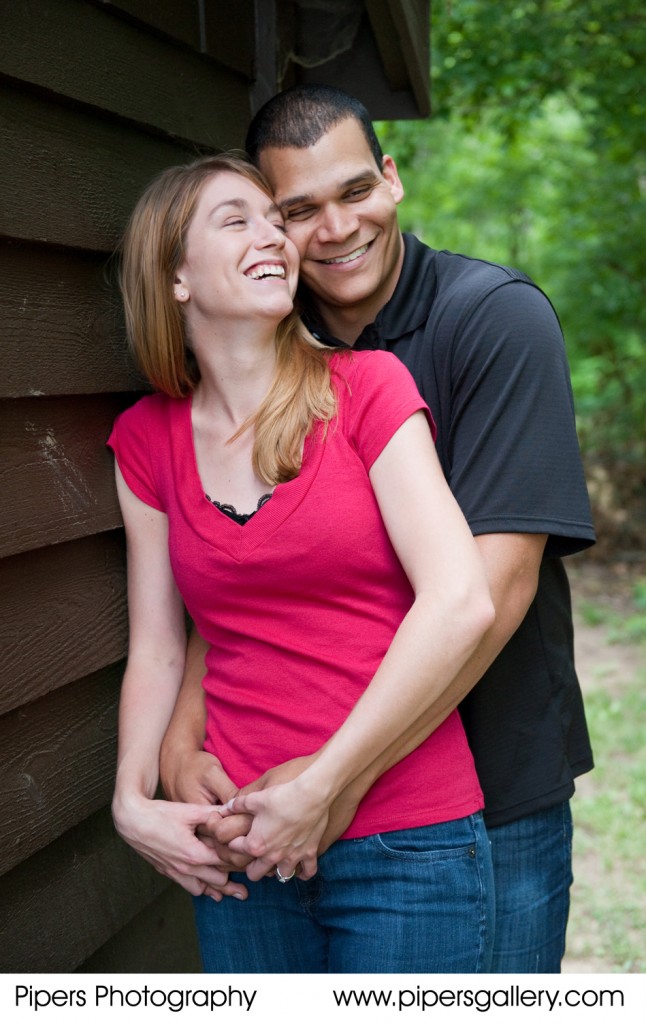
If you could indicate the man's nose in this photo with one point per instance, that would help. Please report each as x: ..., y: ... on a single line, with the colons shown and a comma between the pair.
x: 337, y: 223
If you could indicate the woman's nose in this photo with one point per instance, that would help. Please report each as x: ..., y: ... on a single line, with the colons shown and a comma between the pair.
x: 271, y: 235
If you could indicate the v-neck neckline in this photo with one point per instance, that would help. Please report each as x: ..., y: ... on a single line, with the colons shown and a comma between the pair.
x: 216, y: 528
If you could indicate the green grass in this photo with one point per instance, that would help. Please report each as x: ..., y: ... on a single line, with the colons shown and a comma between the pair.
x: 621, y: 628
x: 608, y: 920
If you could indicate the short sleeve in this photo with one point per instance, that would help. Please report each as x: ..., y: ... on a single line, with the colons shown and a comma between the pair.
x: 378, y: 395
x: 129, y: 441
x: 510, y: 449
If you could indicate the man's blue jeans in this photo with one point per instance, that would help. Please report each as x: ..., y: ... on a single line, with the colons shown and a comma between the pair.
x: 413, y: 901
x: 532, y: 860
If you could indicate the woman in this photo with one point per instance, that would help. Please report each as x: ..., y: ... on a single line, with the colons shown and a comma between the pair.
x: 291, y: 498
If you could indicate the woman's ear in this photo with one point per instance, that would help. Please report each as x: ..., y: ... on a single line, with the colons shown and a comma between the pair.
x: 180, y: 291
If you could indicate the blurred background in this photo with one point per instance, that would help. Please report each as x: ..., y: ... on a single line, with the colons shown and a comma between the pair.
x: 535, y: 157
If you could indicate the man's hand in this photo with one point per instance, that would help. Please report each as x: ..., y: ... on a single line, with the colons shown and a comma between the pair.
x: 341, y: 816
x: 195, y: 777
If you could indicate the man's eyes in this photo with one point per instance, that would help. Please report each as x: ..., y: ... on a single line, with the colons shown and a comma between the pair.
x: 358, y: 193
x: 299, y: 213
x: 353, y: 195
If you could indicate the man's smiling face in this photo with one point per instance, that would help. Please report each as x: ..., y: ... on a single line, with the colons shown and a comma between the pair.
x: 341, y: 212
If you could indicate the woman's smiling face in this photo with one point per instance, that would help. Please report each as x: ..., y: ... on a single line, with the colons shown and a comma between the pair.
x: 238, y: 262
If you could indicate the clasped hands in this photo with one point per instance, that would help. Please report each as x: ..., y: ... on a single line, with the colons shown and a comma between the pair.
x: 273, y: 822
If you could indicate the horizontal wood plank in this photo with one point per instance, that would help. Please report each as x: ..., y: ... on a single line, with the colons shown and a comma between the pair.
x: 179, y: 19
x: 63, y: 330
x: 62, y: 905
x: 56, y: 474
x: 227, y: 33
x: 66, y: 770
x: 68, y: 177
x: 62, y: 616
x: 160, y: 940
x: 82, y: 51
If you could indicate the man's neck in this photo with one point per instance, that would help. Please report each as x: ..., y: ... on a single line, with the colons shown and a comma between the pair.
x: 345, y: 324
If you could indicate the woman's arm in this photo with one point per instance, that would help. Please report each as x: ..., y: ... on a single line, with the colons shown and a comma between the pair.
x: 451, y: 612
x: 512, y: 563
x: 162, y: 832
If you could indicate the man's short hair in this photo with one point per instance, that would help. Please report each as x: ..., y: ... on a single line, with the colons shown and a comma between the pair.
x: 298, y: 117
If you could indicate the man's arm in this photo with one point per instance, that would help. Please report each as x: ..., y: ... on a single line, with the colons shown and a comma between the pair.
x: 187, y: 772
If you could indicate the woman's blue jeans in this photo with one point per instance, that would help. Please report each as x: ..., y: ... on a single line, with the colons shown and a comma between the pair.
x: 418, y: 900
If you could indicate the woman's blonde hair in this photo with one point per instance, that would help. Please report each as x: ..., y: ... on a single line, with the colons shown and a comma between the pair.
x: 152, y: 250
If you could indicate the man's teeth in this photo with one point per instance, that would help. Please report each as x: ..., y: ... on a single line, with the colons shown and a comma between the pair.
x: 266, y: 270
x: 352, y: 256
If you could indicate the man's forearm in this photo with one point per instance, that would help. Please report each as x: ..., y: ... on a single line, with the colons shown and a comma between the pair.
x: 186, y: 730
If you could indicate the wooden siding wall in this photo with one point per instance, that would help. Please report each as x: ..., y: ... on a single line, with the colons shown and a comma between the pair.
x: 95, y: 98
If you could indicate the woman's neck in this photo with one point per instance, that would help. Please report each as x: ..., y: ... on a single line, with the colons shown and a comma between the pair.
x: 236, y: 373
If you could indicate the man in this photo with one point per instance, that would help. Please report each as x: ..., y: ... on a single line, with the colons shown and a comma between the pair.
x: 486, y: 351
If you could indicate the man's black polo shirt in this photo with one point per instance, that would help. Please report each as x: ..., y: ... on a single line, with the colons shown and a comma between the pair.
x: 486, y: 350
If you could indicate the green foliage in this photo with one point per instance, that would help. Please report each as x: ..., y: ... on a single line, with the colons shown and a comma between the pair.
x: 536, y: 157
x: 510, y: 57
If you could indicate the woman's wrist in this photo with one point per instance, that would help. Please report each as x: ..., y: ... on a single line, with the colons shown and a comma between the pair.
x: 130, y: 798
x: 317, y: 787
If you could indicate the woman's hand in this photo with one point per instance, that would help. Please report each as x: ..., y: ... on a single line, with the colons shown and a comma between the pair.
x: 194, y: 776
x: 164, y: 833
x: 221, y: 828
x: 288, y: 823
x: 341, y: 811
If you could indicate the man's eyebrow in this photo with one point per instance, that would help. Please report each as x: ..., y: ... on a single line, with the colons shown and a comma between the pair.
x: 308, y: 197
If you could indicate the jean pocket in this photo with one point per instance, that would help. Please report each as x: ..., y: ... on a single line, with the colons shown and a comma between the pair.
x: 428, y: 843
